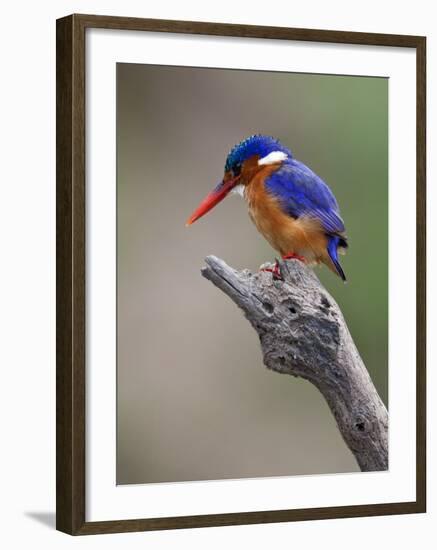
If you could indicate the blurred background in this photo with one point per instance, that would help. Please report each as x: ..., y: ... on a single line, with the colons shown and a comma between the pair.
x: 194, y: 399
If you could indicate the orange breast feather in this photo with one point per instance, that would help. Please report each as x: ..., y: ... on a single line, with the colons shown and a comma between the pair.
x: 303, y: 236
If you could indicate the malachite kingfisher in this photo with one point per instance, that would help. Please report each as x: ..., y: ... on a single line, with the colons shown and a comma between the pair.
x: 291, y: 206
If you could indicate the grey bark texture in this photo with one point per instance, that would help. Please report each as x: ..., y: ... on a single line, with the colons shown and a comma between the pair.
x: 303, y: 333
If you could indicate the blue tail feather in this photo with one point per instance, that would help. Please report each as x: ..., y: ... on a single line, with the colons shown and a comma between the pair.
x: 333, y: 243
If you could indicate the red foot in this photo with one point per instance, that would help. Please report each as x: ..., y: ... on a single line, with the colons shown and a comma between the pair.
x: 293, y: 256
x: 276, y: 271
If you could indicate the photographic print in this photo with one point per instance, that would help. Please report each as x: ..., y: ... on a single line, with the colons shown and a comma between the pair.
x: 280, y: 180
x: 240, y: 274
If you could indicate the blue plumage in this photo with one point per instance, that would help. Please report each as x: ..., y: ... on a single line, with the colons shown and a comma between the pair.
x: 302, y: 193
x: 333, y: 244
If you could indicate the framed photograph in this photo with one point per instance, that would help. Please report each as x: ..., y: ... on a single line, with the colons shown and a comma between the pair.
x: 217, y: 186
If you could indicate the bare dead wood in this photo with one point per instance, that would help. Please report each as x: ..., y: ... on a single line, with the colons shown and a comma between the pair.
x: 303, y: 333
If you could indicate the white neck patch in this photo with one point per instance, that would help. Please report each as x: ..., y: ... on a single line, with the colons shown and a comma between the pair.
x: 238, y: 190
x: 272, y: 158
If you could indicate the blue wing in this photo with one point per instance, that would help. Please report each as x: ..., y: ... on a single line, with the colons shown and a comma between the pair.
x: 302, y: 193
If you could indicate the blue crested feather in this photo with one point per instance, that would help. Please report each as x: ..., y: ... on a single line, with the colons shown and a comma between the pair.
x: 302, y: 193
x: 254, y: 145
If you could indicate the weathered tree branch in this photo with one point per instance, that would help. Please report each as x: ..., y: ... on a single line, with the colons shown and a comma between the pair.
x: 303, y: 333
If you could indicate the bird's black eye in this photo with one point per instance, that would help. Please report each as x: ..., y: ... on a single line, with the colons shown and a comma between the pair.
x: 236, y: 169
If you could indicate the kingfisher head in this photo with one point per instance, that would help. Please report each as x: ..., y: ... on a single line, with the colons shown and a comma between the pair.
x: 242, y: 163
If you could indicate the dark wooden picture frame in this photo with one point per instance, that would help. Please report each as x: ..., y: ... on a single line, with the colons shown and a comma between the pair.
x: 71, y: 283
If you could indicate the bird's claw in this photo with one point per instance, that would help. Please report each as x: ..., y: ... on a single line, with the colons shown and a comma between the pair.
x: 293, y: 256
x: 275, y: 270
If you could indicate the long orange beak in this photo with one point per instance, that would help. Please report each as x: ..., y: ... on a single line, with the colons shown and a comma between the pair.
x: 213, y: 198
